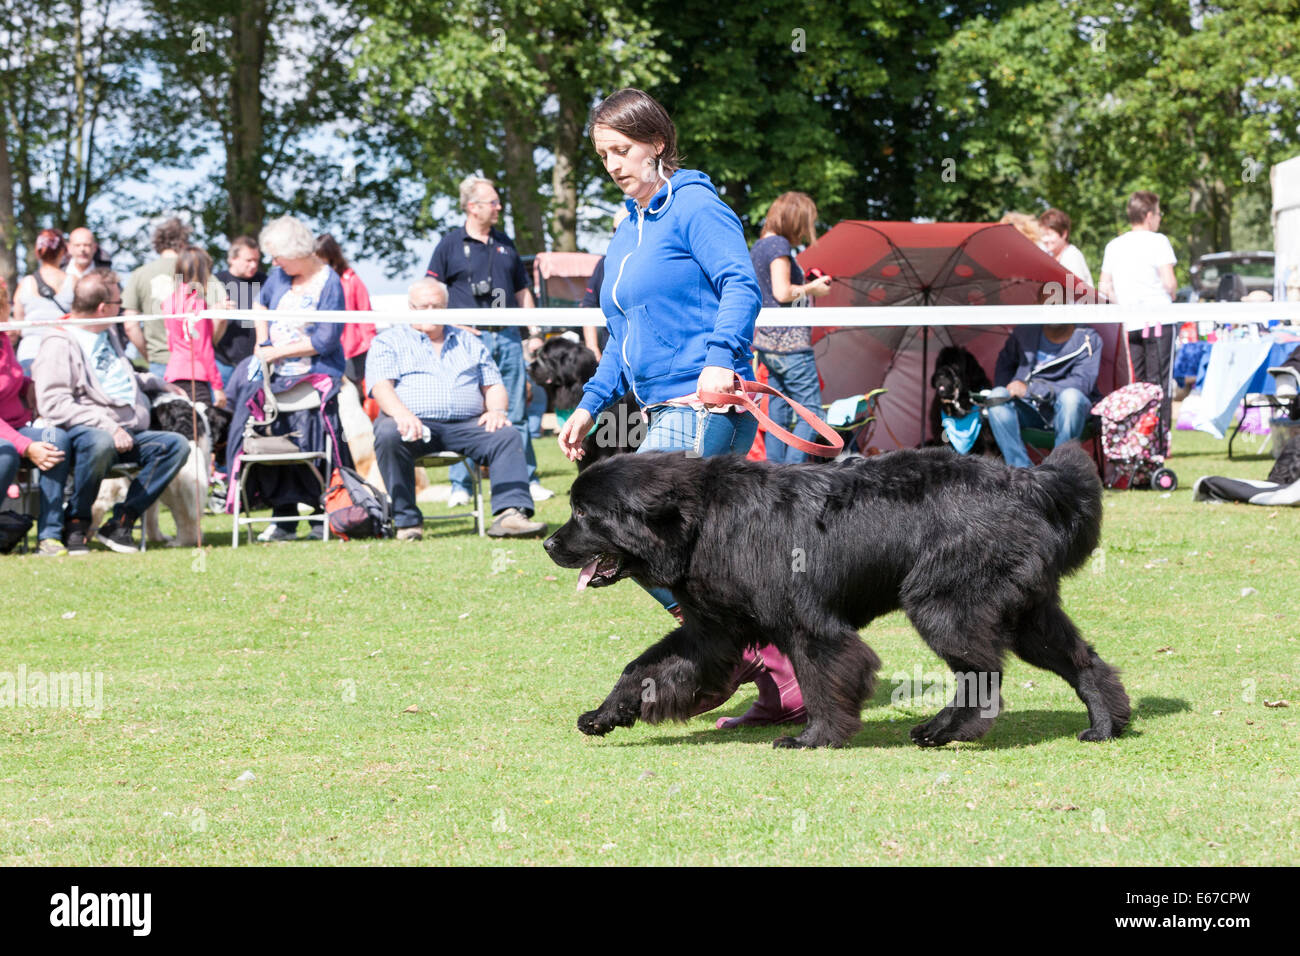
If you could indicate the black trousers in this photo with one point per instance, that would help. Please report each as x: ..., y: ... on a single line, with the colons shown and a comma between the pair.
x: 1153, y: 361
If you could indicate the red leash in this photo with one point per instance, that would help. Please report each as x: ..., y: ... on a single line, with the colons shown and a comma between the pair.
x: 772, y: 428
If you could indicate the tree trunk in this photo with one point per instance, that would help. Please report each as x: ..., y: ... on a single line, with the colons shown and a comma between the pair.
x: 245, y: 187
x: 564, y: 180
x: 8, y: 227
x: 521, y: 188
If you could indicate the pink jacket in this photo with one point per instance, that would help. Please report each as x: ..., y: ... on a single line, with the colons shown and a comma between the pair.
x: 13, y: 413
x: 357, y: 336
x: 192, y: 354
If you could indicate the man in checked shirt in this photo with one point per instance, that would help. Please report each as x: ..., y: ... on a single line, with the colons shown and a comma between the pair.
x: 439, y: 380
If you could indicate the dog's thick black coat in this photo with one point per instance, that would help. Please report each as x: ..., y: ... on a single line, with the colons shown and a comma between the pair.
x: 802, y: 556
x: 563, y: 367
x: 957, y: 373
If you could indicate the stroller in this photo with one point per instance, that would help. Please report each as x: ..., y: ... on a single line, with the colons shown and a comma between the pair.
x: 1130, y: 438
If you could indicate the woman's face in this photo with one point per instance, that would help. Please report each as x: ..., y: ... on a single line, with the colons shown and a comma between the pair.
x: 631, y: 164
x: 1054, y: 242
x: 296, y: 267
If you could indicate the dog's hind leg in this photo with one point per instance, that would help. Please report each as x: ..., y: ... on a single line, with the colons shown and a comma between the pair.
x: 837, y: 675
x: 971, y: 650
x: 1047, y: 638
x: 668, y: 682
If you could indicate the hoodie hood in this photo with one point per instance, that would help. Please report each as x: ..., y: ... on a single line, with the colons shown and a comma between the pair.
x: 661, y: 200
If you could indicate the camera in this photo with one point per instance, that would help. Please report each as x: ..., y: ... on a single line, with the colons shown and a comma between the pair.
x: 481, y: 288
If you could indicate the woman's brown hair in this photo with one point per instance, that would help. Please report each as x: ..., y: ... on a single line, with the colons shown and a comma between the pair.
x: 794, y: 216
x: 638, y: 116
x: 328, y: 249
x: 195, y: 267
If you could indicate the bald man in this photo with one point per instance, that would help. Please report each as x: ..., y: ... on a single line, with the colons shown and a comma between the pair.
x: 81, y: 251
x: 438, y: 380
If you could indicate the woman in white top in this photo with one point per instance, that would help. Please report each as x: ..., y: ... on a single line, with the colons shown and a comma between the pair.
x: 1054, y: 226
x: 43, y: 296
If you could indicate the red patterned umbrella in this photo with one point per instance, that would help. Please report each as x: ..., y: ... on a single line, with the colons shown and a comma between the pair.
x: 946, y: 263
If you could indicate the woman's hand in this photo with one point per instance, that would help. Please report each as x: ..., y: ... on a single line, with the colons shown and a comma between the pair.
x: 714, y: 378
x: 818, y: 287
x: 573, y: 432
x: 218, y: 398
x: 44, y: 455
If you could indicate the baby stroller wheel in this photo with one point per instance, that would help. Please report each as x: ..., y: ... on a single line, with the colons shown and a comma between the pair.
x: 1164, y: 480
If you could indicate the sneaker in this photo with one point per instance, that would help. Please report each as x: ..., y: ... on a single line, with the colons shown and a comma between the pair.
x: 317, y: 532
x: 512, y: 523
x: 413, y: 533
x: 116, y: 536
x: 52, y: 547
x: 75, y: 537
x: 539, y: 493
x: 279, y: 532
x: 458, y: 498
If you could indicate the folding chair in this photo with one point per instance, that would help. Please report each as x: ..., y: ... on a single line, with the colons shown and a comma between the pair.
x: 1041, y: 441
x: 445, y: 459
x: 302, y: 397
x: 1286, y: 401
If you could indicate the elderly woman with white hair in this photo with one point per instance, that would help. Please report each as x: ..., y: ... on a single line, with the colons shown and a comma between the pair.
x: 294, y: 349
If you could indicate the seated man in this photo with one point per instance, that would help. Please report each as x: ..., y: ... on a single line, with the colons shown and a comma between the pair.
x: 85, y: 386
x: 440, y: 378
x: 1049, y: 372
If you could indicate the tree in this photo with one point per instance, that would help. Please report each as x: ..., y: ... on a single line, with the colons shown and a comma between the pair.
x: 269, y: 83
x: 79, y: 119
x: 494, y: 87
x: 1076, y: 104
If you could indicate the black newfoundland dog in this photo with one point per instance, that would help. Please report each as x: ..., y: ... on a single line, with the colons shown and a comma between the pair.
x: 563, y: 367
x: 802, y: 556
x: 957, y: 374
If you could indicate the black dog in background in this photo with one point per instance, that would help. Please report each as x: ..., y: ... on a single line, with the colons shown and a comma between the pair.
x: 802, y: 556
x: 563, y: 367
x: 957, y: 374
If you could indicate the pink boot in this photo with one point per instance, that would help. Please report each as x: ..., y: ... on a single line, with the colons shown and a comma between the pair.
x: 779, y: 699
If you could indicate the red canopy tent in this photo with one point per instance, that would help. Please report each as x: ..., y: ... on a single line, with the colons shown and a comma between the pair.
x: 904, y: 263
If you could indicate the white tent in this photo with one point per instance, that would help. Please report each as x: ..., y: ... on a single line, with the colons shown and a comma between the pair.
x: 1285, y: 178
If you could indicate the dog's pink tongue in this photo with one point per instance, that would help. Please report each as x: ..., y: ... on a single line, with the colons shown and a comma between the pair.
x: 587, y: 573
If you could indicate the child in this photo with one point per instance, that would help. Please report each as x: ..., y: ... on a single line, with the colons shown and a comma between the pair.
x: 193, y: 363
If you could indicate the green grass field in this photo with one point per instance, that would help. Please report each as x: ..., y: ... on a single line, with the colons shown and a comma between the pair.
x: 415, y: 704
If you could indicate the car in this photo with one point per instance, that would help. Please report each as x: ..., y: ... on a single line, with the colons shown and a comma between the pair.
x: 1229, y: 276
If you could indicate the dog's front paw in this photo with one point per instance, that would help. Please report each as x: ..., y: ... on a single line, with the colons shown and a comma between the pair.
x: 787, y: 743
x: 592, y: 725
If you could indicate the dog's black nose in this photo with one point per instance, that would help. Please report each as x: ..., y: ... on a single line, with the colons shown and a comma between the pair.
x: 549, y: 544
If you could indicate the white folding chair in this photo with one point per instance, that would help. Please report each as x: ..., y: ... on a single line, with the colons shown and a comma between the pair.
x: 302, y: 397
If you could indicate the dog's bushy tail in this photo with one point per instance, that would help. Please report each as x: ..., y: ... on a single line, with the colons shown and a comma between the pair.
x: 1071, y: 500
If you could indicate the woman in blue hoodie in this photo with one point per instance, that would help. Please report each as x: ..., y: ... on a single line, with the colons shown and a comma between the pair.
x: 680, y: 298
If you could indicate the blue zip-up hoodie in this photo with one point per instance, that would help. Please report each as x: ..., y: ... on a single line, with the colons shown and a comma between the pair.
x: 679, y: 294
x: 1075, y: 366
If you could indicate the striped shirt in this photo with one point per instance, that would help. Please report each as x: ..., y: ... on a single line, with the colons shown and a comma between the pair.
x: 441, y: 383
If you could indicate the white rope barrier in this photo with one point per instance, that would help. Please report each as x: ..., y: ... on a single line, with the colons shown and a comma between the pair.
x: 1220, y: 313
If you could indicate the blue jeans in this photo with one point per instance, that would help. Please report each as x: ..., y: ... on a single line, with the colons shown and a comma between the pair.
x: 226, y: 371
x: 158, y: 368
x: 49, y: 522
x: 160, y: 456
x: 1069, y: 415
x: 507, y: 351
x: 795, y: 374
x: 702, y: 434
